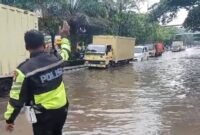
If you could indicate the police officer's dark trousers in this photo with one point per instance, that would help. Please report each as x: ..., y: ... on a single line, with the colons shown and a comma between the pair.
x: 50, y: 122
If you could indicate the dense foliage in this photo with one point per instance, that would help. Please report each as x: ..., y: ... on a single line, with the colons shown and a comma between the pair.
x: 166, y: 10
x: 91, y: 17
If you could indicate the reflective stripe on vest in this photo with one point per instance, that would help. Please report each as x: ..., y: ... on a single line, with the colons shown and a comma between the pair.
x: 53, y: 99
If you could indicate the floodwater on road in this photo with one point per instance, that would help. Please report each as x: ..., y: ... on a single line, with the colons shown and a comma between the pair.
x: 156, y: 97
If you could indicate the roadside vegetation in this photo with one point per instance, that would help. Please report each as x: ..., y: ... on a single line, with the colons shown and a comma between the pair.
x: 166, y: 10
x: 93, y: 17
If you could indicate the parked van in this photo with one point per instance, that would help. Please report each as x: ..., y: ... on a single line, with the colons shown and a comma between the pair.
x: 141, y: 53
x: 151, y: 49
x: 177, y: 46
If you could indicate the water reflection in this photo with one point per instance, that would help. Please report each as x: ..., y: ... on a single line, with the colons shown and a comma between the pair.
x: 158, y: 97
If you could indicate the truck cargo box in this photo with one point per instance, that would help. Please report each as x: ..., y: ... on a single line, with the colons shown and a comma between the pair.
x: 14, y: 22
x: 123, y: 47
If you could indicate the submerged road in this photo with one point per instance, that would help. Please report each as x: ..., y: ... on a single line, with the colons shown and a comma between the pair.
x: 156, y: 97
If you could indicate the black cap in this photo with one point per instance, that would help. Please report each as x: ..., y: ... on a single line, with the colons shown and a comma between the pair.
x: 33, y: 39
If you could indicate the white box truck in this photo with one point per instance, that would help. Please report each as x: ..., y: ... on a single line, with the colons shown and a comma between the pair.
x: 14, y: 22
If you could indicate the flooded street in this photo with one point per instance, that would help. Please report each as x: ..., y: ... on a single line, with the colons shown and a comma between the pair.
x: 156, y: 97
x: 98, y: 51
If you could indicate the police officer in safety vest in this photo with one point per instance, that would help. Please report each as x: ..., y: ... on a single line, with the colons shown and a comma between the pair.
x: 38, y: 83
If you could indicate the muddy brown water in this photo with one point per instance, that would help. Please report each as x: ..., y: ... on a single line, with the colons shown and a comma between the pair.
x: 156, y: 97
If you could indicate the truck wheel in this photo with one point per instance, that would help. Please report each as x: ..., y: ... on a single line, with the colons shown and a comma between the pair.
x: 157, y: 54
x: 112, y: 64
x: 5, y: 86
x: 107, y: 66
x: 128, y: 61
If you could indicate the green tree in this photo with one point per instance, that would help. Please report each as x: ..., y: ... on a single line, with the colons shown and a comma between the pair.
x: 79, y: 13
x: 121, y: 13
x: 166, y: 10
x: 93, y: 17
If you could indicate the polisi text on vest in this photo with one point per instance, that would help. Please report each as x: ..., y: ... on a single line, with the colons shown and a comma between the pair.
x: 51, y: 75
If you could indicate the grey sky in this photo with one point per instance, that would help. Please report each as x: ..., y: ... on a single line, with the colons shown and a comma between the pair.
x: 182, y: 14
x: 152, y: 1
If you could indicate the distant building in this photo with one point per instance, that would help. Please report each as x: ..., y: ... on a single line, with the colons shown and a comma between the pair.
x: 188, y: 37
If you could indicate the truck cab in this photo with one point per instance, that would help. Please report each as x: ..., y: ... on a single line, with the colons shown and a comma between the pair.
x: 98, y: 55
